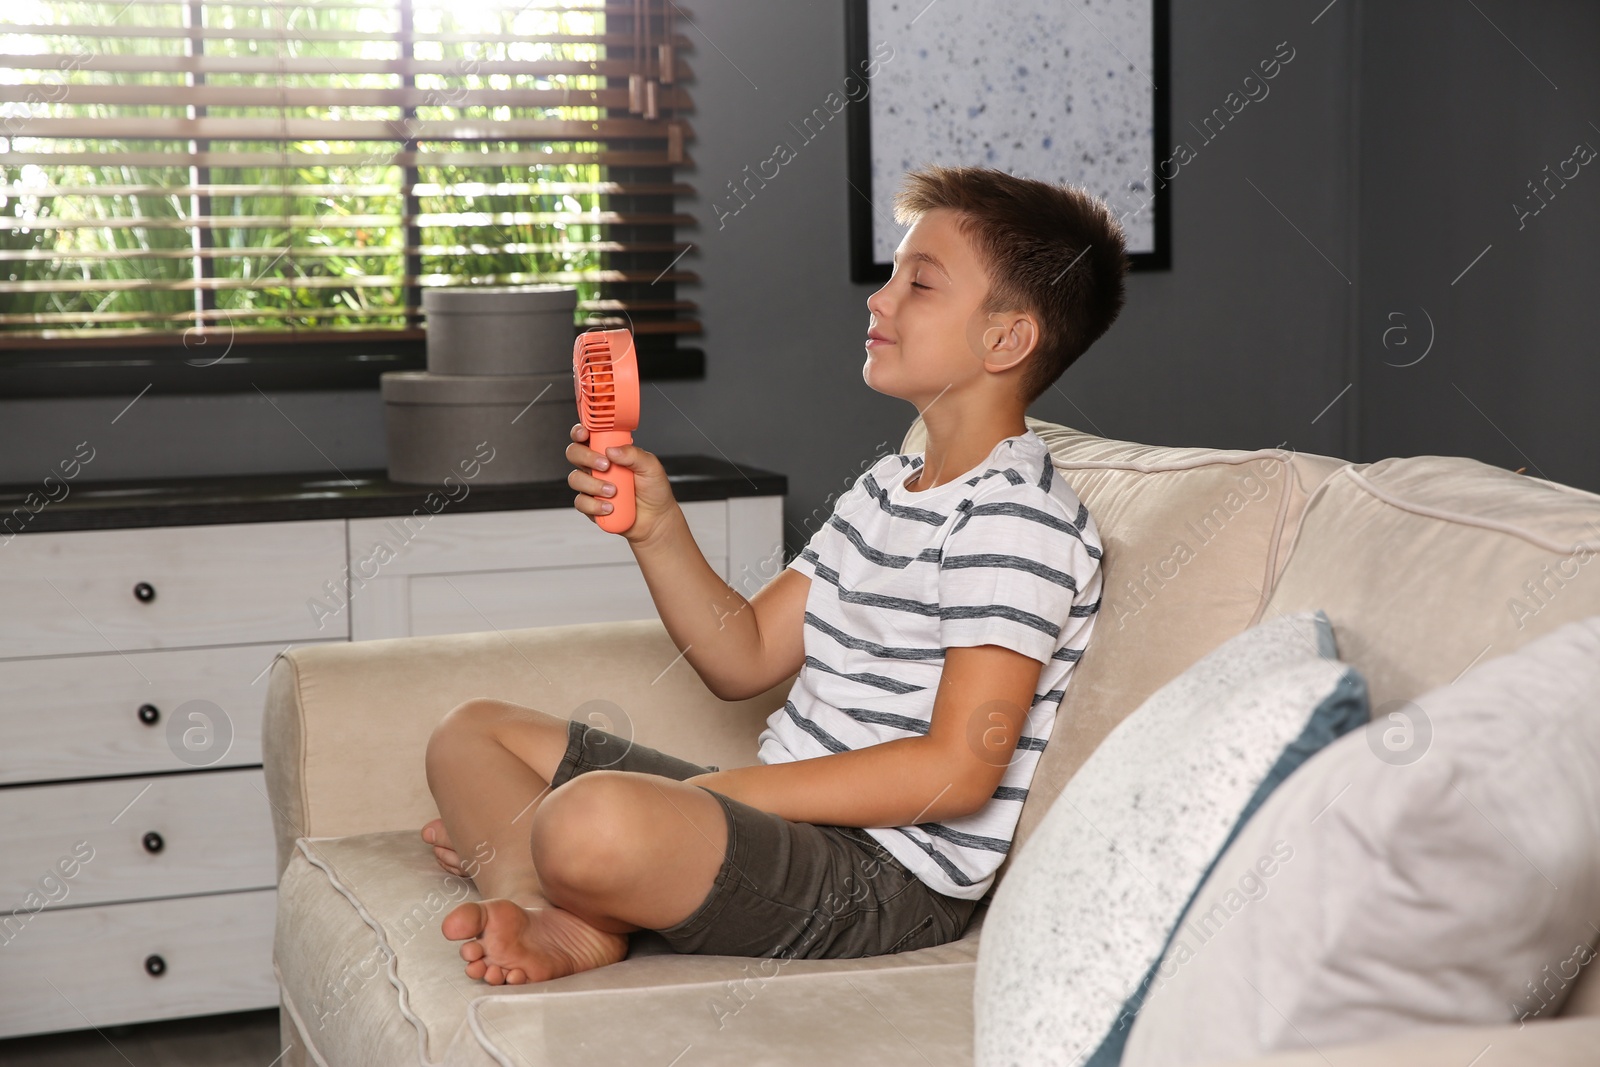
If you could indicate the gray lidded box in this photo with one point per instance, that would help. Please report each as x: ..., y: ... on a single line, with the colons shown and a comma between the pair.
x: 506, y: 428
x: 490, y: 329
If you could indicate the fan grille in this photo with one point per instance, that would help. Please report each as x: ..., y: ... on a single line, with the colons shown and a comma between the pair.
x: 597, y: 381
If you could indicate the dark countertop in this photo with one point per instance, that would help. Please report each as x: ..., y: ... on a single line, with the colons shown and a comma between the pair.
x: 209, y: 500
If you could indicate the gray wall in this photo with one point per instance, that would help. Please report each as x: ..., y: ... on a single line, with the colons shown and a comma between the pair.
x: 1458, y: 115
x: 1241, y: 344
x: 1245, y: 343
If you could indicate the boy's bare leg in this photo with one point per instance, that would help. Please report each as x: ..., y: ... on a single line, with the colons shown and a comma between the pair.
x: 611, y: 851
x: 615, y: 851
x: 489, y: 765
x: 626, y: 850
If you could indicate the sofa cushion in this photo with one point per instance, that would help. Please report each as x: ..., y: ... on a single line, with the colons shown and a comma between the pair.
x: 368, y: 978
x: 887, y: 1017
x: 1428, y: 564
x: 1564, y: 1043
x: 1193, y: 541
x: 1454, y: 881
x: 1078, y: 926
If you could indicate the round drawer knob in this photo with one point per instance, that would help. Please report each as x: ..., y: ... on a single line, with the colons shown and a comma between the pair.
x: 153, y: 842
x: 155, y: 966
x: 145, y: 592
x: 149, y: 714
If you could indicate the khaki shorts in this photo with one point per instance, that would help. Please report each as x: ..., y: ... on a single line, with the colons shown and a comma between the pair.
x: 786, y: 889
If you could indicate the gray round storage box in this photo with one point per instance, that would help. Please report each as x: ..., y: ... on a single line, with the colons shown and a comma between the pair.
x: 435, y: 423
x: 485, y: 329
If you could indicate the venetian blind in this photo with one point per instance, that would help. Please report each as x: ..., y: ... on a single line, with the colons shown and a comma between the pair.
x: 302, y: 171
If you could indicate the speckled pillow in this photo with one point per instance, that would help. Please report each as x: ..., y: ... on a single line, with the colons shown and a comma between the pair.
x: 1079, y: 923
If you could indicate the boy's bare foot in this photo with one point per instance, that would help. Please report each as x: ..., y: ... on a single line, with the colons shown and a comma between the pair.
x: 443, y: 850
x: 512, y: 944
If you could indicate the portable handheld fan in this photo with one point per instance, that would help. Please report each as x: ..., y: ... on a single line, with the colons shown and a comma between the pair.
x: 607, y: 378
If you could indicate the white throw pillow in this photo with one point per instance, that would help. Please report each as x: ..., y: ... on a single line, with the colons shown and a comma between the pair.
x: 1445, y: 871
x: 1079, y: 922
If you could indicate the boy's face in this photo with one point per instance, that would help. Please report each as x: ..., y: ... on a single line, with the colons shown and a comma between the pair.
x: 935, y: 338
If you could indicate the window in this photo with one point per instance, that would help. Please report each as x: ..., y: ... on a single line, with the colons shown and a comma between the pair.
x: 210, y: 193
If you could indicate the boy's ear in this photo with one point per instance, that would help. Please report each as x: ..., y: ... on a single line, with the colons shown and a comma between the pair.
x: 1008, y: 340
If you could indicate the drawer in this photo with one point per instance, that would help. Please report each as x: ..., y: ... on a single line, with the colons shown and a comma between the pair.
x: 86, y: 842
x: 82, y: 967
x: 508, y: 540
x: 91, y: 716
x: 88, y: 591
x: 509, y: 600
x: 505, y: 570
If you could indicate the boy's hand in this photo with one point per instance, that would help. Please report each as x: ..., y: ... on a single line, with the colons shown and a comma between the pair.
x: 654, y: 503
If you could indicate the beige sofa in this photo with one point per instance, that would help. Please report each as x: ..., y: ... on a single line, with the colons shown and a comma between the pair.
x: 1417, y: 561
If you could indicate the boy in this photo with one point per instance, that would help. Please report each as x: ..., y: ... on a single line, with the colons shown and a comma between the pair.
x: 934, y: 622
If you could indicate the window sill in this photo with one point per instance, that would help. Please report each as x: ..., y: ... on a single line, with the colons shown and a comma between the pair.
x: 102, y: 371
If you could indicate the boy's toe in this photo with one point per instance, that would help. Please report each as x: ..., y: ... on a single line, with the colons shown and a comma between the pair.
x: 433, y: 833
x: 467, y: 920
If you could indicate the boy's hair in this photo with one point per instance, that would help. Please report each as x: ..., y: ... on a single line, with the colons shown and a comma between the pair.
x: 1028, y: 233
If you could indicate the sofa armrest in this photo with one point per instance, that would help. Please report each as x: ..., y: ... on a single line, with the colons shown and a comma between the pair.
x: 346, y: 725
x: 1544, y: 1043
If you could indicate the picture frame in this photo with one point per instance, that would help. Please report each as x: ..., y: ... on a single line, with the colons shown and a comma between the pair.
x: 944, y: 87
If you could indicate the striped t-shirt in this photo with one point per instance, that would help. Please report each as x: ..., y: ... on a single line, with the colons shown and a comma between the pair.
x: 1004, y: 554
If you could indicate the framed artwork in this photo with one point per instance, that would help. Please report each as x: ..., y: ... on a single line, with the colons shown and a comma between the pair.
x: 1046, y: 89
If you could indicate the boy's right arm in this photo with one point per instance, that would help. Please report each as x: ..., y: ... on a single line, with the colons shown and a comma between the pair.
x: 738, y: 647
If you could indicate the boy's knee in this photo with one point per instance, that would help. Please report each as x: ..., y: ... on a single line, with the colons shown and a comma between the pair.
x: 581, y: 831
x: 470, y: 718
x: 477, y: 712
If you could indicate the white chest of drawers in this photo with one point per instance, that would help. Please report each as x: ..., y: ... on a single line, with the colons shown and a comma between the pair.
x: 138, y: 880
